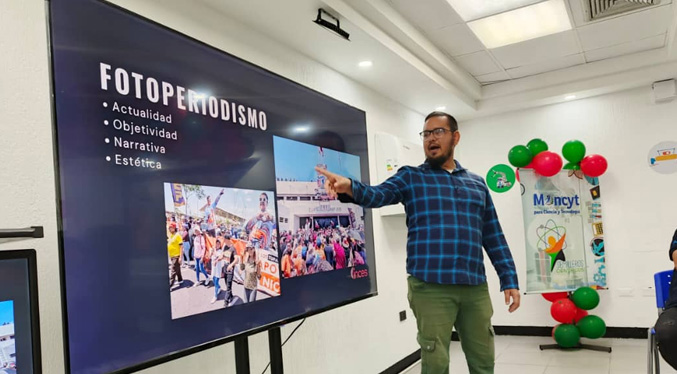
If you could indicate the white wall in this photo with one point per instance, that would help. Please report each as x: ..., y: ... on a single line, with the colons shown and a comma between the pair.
x: 366, y: 337
x: 28, y: 195
x: 639, y: 204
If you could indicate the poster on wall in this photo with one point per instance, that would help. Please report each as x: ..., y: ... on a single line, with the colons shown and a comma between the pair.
x: 662, y: 157
x: 500, y: 178
x: 564, y: 233
x: 181, y: 188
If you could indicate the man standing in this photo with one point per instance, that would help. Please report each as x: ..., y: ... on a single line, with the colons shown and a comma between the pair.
x: 262, y: 226
x: 229, y: 266
x: 450, y: 217
x: 209, y: 216
x: 174, y: 242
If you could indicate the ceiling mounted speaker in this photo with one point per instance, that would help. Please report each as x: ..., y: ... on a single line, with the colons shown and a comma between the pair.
x: 605, y: 8
x: 664, y: 91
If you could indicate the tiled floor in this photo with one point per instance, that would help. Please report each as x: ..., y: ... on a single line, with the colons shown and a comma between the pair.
x: 521, y: 355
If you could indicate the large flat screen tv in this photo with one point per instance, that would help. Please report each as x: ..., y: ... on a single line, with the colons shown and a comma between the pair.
x: 191, y: 212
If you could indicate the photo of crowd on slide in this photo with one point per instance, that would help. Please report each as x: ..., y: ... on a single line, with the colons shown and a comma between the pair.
x: 221, y: 247
x: 7, y: 340
x: 317, y: 233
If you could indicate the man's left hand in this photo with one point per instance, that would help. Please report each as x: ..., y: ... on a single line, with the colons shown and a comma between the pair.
x: 515, y: 295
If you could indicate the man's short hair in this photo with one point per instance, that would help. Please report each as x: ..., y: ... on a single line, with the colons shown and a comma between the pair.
x: 453, y: 125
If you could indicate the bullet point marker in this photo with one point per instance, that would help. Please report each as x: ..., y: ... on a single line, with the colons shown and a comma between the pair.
x: 105, y: 122
x: 107, y: 158
x: 107, y: 140
x: 105, y: 105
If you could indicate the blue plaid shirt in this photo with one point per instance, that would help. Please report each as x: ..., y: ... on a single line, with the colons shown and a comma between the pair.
x: 450, y: 216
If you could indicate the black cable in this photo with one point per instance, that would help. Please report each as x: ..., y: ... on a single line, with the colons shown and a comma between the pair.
x: 285, y: 342
x: 293, y: 331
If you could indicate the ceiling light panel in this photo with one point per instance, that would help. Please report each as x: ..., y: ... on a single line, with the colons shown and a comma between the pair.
x: 530, y: 22
x: 471, y: 10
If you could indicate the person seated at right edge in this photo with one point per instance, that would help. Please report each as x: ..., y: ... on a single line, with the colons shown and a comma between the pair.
x: 666, y: 326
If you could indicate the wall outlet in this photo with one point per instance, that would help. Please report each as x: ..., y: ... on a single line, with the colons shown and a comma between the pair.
x: 403, y: 315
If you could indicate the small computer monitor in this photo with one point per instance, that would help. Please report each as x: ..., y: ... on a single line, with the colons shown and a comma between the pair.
x: 19, y: 320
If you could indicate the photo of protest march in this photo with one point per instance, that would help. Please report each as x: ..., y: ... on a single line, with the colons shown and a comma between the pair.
x: 221, y: 247
x: 317, y: 233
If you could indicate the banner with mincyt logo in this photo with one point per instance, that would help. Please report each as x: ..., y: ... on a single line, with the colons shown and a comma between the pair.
x: 563, y: 231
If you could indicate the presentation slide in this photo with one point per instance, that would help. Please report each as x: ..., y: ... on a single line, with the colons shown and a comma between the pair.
x: 190, y: 207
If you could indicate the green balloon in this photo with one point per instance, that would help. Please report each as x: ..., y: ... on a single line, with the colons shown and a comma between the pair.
x: 519, y: 156
x: 572, y: 166
x: 537, y: 146
x: 567, y: 335
x: 573, y: 151
x: 585, y: 298
x: 591, y: 327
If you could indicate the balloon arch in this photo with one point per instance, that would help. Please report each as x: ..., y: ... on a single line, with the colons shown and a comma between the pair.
x: 535, y: 155
x: 571, y: 311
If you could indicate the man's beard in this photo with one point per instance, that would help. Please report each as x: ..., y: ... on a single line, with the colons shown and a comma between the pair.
x: 438, y: 161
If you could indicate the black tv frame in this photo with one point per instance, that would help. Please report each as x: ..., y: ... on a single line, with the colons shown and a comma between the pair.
x: 31, y: 260
x: 64, y: 308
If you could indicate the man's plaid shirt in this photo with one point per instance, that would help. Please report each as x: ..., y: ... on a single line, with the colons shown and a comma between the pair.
x: 450, y: 217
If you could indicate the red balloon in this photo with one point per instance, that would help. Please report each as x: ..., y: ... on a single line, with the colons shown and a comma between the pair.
x: 563, y: 310
x: 593, y: 165
x: 547, y: 163
x: 554, y: 296
x: 580, y: 313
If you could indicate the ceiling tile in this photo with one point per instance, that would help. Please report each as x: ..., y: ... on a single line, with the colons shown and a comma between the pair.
x: 578, y: 13
x: 427, y: 15
x: 537, y: 50
x: 478, y: 63
x: 498, y: 76
x: 654, y: 42
x: 542, y: 67
x: 456, y: 40
x: 628, y: 28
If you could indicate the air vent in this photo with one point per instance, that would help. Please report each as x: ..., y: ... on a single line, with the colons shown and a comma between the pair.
x: 605, y: 8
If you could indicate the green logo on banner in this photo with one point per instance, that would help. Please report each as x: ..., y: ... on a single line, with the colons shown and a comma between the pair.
x: 500, y: 178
